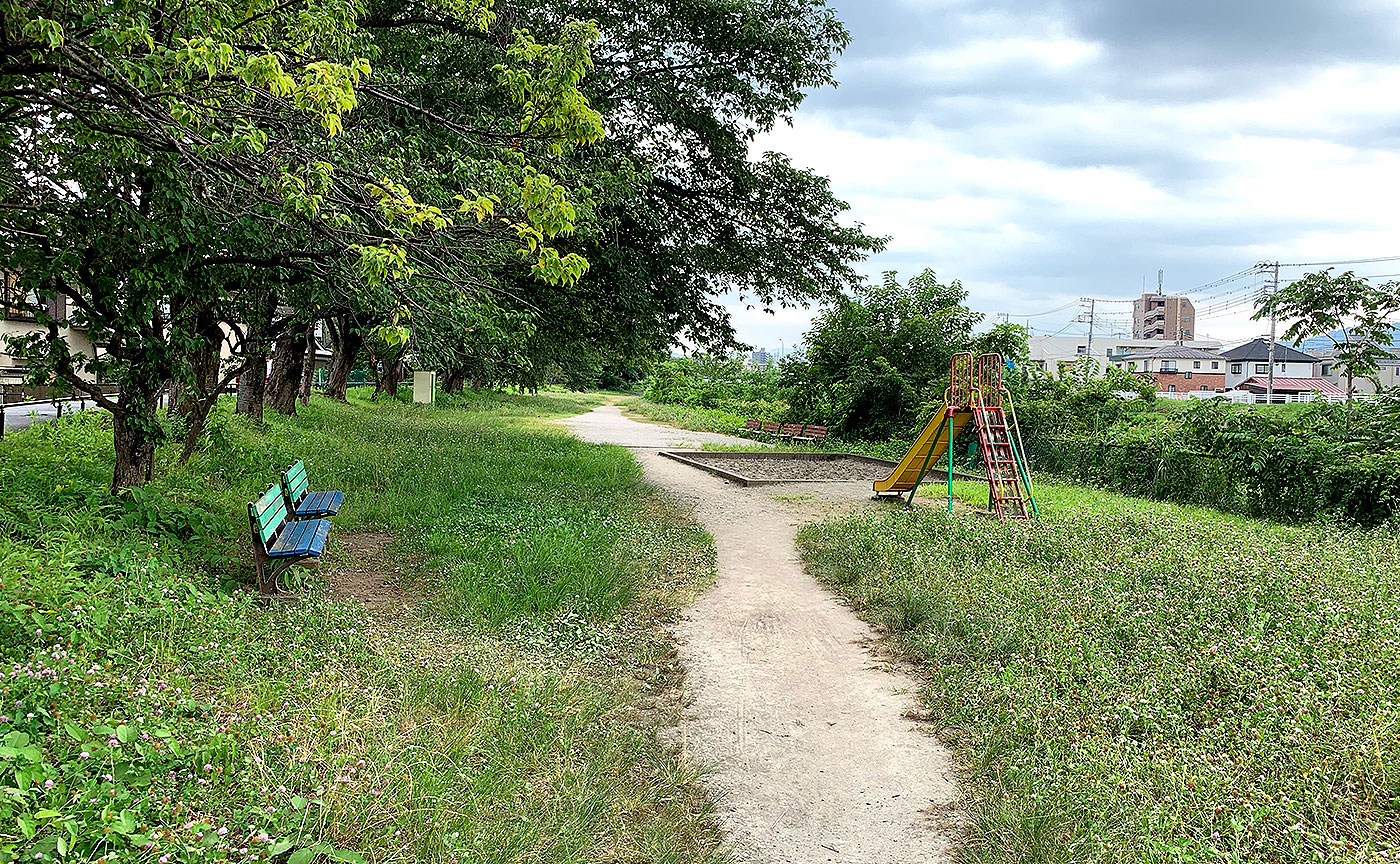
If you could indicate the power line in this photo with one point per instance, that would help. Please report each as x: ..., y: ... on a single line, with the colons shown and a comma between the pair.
x: 1340, y: 263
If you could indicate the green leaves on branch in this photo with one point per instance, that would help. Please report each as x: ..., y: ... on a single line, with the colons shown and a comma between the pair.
x: 545, y: 83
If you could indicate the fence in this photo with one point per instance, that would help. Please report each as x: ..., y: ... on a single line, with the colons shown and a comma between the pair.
x: 16, y: 396
x: 1244, y: 397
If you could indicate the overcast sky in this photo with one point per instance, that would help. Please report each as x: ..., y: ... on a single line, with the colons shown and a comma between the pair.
x: 1045, y: 151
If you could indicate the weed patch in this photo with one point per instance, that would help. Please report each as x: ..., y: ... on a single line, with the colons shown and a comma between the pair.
x: 1128, y: 681
x: 155, y: 712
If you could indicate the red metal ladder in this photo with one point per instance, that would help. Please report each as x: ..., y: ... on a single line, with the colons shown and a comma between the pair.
x: 1009, y: 499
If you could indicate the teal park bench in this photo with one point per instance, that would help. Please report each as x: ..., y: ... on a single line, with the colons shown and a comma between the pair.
x: 278, y: 543
x: 307, y: 505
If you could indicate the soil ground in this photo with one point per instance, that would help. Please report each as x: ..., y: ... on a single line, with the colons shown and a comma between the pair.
x: 795, y: 469
x: 810, y: 737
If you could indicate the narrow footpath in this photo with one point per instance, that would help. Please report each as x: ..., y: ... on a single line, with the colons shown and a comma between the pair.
x: 801, y: 725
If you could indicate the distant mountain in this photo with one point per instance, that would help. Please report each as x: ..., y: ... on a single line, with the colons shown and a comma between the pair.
x: 1323, y: 343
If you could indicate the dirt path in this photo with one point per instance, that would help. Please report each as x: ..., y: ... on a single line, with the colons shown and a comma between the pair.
x: 803, y: 725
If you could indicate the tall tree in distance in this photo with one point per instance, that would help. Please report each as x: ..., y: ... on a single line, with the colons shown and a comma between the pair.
x: 1345, y: 309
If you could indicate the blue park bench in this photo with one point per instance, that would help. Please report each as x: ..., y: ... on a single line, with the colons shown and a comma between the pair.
x: 307, y: 505
x: 278, y: 543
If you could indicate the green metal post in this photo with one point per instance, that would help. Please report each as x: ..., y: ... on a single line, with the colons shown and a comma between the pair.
x: 950, y: 463
x: 909, y: 505
x: 1025, y: 475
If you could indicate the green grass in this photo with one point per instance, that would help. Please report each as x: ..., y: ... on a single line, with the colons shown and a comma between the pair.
x: 507, y: 715
x: 682, y: 416
x: 1132, y: 681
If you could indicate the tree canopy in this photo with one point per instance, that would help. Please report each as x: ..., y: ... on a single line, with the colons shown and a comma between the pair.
x: 203, y: 179
x: 1344, y: 309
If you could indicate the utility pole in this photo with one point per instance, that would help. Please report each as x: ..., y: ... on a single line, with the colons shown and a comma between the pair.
x: 1273, y: 323
x: 1088, y: 318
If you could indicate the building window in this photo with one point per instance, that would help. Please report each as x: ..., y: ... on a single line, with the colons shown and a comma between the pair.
x: 1326, y: 370
x: 1081, y: 349
x: 18, y: 304
x: 1236, y: 368
x: 1188, y: 375
x: 1168, y: 365
x: 1261, y: 368
x: 1215, y: 364
x: 1196, y: 365
x: 1204, y: 388
x: 1171, y: 388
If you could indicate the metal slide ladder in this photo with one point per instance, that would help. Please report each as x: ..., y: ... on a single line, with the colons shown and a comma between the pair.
x: 1010, y: 498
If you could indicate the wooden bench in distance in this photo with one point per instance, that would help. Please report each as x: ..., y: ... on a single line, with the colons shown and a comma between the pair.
x: 770, y: 428
x: 279, y: 543
x: 812, y: 433
x: 307, y: 505
x: 753, y: 426
x: 791, y: 430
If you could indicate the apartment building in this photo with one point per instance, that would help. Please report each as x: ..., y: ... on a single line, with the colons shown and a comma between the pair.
x: 1156, y: 316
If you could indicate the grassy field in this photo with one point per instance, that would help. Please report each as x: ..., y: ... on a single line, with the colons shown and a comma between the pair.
x: 1133, y: 681
x: 155, y: 712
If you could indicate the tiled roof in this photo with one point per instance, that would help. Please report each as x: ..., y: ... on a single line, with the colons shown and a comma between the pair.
x: 1258, y: 351
x: 1292, y: 385
x: 1174, y: 352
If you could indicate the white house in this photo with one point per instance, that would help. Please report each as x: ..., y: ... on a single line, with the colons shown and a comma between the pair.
x: 1388, y: 374
x: 1252, y: 359
x: 1050, y: 352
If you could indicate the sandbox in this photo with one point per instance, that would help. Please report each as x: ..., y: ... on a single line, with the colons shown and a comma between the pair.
x: 768, y: 468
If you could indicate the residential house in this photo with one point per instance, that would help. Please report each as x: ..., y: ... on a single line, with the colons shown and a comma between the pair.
x: 1388, y: 375
x: 1052, y: 352
x: 1252, y: 359
x: 17, y: 320
x: 1179, y: 369
x: 1285, y: 387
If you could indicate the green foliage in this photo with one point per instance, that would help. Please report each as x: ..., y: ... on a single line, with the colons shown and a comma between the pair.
x: 1129, y: 681
x: 876, y: 363
x: 1324, y: 305
x: 720, y: 383
x: 155, y: 713
x: 1323, y: 461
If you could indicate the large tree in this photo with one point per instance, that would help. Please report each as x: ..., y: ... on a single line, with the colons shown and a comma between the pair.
x: 1346, y: 310
x: 873, y: 359
x: 687, y: 212
x: 164, y: 161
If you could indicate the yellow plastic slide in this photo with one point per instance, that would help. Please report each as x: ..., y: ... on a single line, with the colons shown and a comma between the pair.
x: 931, y: 446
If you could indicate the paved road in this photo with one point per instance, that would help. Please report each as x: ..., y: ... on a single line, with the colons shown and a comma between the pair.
x: 19, y: 417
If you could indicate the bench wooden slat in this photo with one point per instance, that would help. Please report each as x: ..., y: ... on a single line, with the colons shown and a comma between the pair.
x: 771, y: 427
x: 297, y: 481
x: 307, y: 537
x: 304, y: 504
x: 271, y: 512
x: 753, y: 425
x: 317, y: 503
x: 791, y: 429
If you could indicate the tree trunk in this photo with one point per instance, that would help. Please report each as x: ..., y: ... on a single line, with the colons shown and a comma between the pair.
x: 390, y: 375
x: 308, y: 369
x: 454, y: 379
x: 190, y: 400
x: 284, y: 381
x: 135, y: 432
x: 345, y: 348
x: 252, y: 384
